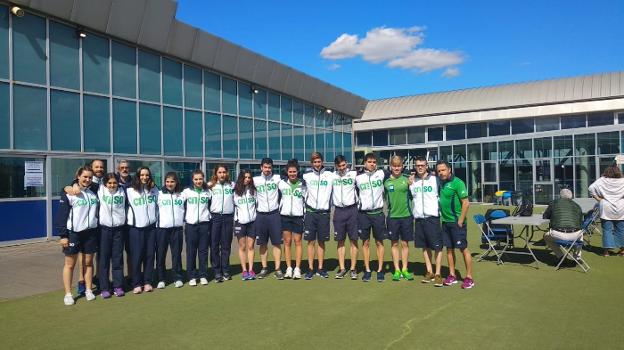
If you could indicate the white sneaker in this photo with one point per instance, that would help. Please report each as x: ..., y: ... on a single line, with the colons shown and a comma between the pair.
x: 89, y: 295
x: 192, y: 282
x: 289, y: 273
x: 203, y: 281
x: 68, y: 299
x: 178, y: 284
x: 297, y: 273
x: 161, y: 285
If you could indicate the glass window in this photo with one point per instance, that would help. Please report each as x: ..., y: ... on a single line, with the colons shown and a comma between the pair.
x: 287, y: 142
x: 329, y: 146
x: 309, y: 142
x: 274, y: 141
x: 212, y: 92
x: 287, y: 110
x: 346, y: 141
x: 193, y: 133
x: 260, y: 132
x: 12, y: 171
x: 124, y: 127
x: 524, y: 149
x: 338, y: 143
x: 474, y: 152
x: 96, y: 123
x: 476, y: 130
x: 192, y: 87
x: 380, y: 138
x: 124, y: 70
x: 489, y: 151
x: 446, y: 153
x: 363, y: 138
x: 64, y: 56
x: 213, y: 135
x: 229, y: 96
x: 172, y: 131
x: 339, y: 122
x: 245, y: 135
x: 620, y: 118
x: 274, y: 106
x: 172, y: 82
x: 459, y: 153
x: 4, y: 42
x: 230, y: 136
x: 585, y: 144
x: 543, y: 147
x: 320, y: 141
x: 563, y: 146
x: 522, y: 126
x: 608, y: 143
x: 546, y: 124
x: 600, y: 118
x: 499, y: 127
x: 298, y: 112
x: 414, y: 135
x: 30, y: 118
x: 29, y: 49
x: 149, y: 76
x: 64, y: 171
x: 308, y: 112
x: 435, y: 134
x: 348, y: 127
x: 149, y: 128
x: 572, y: 121
x: 456, y: 132
x: 585, y: 175
x: 299, y: 143
x: 506, y: 150
x: 244, y: 100
x: 564, y: 173
x: 65, y: 121
x: 260, y: 104
x: 4, y: 114
x: 184, y: 170
x: 489, y: 171
x: 95, y: 55
x: 329, y: 120
x: 397, y: 136
x: 506, y: 174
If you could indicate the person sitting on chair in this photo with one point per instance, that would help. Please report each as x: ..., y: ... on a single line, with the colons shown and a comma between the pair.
x: 566, y: 218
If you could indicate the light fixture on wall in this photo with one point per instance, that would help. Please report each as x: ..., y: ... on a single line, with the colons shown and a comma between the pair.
x: 328, y: 111
x: 255, y: 89
x: 17, y: 11
x: 81, y: 32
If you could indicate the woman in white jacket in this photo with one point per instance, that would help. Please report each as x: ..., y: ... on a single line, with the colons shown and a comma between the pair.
x: 292, y: 210
x: 244, y: 217
x: 608, y: 190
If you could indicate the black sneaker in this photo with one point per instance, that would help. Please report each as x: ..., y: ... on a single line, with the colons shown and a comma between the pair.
x: 367, y: 276
x: 322, y: 273
x: 381, y: 276
x: 227, y: 277
x: 263, y: 273
x: 340, y: 274
x: 279, y: 275
x: 218, y: 278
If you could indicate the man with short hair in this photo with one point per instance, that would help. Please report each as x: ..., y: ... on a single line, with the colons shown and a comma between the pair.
x: 371, y: 191
x: 124, y: 179
x: 268, y: 223
x: 316, y: 222
x: 566, y: 220
x: 344, y: 198
x: 453, y: 209
x: 425, y: 209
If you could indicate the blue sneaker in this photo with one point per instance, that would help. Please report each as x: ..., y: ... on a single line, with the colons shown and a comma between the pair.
x: 381, y: 276
x: 366, y: 277
x: 322, y: 273
x: 82, y: 288
x: 309, y: 275
x: 245, y: 275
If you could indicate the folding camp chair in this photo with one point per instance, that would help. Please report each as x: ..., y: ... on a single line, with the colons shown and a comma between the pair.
x: 572, y: 250
x: 590, y: 223
x: 489, y: 237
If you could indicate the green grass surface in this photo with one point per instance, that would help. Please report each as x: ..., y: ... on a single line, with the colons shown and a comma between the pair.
x: 512, y: 306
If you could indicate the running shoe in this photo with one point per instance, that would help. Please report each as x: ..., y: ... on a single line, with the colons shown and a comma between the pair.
x: 429, y: 277
x: 119, y: 292
x: 366, y: 277
x: 148, y: 288
x: 89, y: 295
x: 137, y: 290
x: 322, y: 273
x: 105, y: 294
x: 68, y: 299
x: 245, y: 275
x: 252, y: 276
x: 81, y: 288
x: 279, y: 275
x: 353, y: 274
x: 450, y: 280
x: 468, y: 283
x: 297, y: 273
x: 309, y: 275
x: 203, y: 281
x: 161, y: 285
x: 263, y: 273
x: 340, y: 274
x: 219, y: 278
x: 407, y: 275
x: 227, y: 277
x: 396, y: 276
x: 289, y: 272
x: 178, y: 284
x: 381, y: 276
x: 438, y: 281
x: 192, y: 282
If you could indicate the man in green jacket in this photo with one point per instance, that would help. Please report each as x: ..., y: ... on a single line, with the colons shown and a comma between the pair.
x: 566, y: 220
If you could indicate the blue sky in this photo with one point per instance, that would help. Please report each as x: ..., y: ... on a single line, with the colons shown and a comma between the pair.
x: 379, y: 49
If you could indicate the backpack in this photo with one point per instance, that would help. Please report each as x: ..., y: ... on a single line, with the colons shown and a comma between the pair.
x: 524, y: 209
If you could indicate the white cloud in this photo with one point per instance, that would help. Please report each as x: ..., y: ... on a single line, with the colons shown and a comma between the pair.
x: 451, y: 72
x: 397, y: 47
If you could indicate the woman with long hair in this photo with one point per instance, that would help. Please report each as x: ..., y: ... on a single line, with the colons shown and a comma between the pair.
x: 608, y: 190
x: 222, y: 212
x: 244, y: 217
x: 197, y: 228
x: 292, y: 210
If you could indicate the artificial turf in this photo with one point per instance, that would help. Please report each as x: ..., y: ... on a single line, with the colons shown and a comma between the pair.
x: 512, y: 306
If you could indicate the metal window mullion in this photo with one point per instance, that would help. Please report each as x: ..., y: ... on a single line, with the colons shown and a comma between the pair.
x: 48, y: 112
x: 110, y: 96
x: 81, y: 87
x: 11, y: 131
x: 221, y: 111
x: 183, y: 81
x: 203, y: 120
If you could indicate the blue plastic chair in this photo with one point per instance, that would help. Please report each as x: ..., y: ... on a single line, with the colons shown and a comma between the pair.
x: 490, y: 237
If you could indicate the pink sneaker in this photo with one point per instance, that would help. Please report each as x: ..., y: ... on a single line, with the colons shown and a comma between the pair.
x: 148, y: 288
x: 450, y: 280
x: 137, y: 290
x: 468, y: 283
x: 251, y: 276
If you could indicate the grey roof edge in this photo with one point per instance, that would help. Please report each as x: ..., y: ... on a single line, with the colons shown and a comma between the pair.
x: 351, y: 105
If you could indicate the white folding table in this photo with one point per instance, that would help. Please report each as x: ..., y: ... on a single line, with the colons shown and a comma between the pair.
x: 529, y: 223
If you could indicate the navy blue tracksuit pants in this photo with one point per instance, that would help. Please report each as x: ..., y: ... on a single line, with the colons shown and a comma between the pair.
x: 111, y: 251
x: 197, y: 242
x: 165, y: 238
x: 142, y: 248
x: 221, y: 243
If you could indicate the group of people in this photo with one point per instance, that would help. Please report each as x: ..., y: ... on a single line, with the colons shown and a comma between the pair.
x: 103, y: 213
